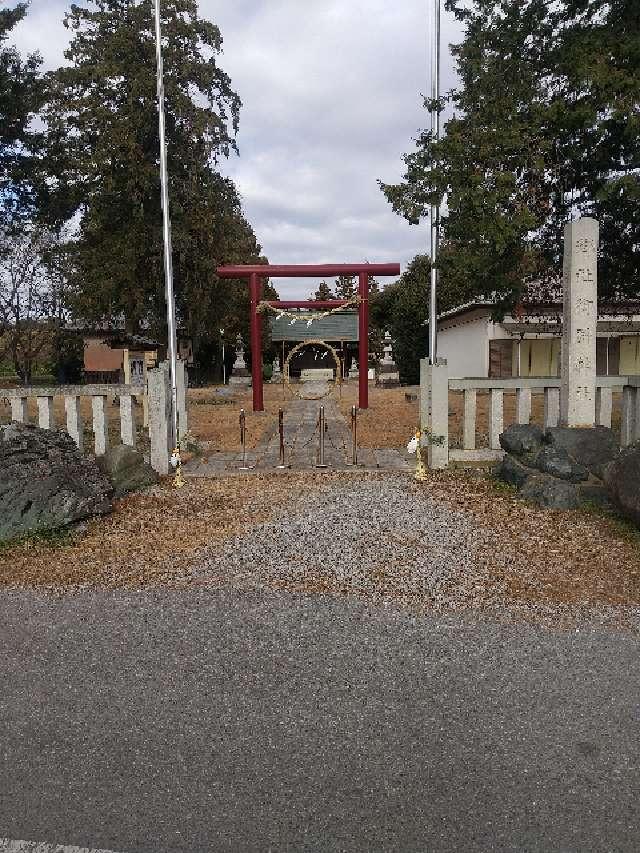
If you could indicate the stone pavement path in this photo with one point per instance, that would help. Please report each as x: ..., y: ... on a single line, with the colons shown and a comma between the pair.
x: 301, y: 440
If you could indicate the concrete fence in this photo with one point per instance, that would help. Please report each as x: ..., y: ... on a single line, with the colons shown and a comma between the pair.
x: 436, y: 387
x: 156, y: 409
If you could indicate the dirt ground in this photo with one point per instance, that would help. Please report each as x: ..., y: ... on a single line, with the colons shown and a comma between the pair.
x: 527, y: 557
x: 148, y: 538
x: 214, y: 414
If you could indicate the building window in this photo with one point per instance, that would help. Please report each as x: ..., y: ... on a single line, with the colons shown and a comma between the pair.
x: 500, y: 359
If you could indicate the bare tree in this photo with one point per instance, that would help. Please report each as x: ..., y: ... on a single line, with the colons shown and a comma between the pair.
x: 30, y: 303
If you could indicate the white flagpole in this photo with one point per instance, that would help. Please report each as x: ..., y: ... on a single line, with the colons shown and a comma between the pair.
x: 166, y: 229
x: 435, y: 209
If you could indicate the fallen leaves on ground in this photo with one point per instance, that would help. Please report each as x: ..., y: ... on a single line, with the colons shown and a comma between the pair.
x: 150, y: 537
x: 538, y: 556
x: 526, y: 555
x: 215, y: 418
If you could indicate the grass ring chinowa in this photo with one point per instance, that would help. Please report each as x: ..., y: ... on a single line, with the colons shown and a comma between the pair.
x: 302, y: 345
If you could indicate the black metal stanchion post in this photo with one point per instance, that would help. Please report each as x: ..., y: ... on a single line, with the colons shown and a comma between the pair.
x: 243, y: 441
x: 321, y: 462
x: 281, y: 431
x: 354, y: 435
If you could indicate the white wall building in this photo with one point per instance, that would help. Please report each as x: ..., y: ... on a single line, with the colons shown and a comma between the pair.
x: 475, y: 345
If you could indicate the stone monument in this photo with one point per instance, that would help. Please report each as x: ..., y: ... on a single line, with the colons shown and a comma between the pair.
x: 354, y: 373
x: 239, y: 374
x: 580, y: 288
x: 388, y: 375
x: 276, y: 376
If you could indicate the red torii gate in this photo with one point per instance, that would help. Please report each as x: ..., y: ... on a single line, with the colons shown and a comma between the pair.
x: 257, y: 272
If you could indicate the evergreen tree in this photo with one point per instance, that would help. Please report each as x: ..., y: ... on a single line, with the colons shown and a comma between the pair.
x: 403, y: 309
x: 346, y: 287
x: 21, y: 92
x: 545, y: 127
x: 323, y: 293
x: 104, y: 105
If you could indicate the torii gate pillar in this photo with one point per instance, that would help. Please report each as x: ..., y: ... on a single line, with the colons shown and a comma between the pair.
x: 363, y: 341
x: 255, y: 288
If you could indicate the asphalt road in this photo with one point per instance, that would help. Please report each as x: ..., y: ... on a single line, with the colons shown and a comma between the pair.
x: 218, y: 721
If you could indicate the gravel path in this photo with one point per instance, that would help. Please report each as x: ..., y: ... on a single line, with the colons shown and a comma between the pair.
x: 373, y: 536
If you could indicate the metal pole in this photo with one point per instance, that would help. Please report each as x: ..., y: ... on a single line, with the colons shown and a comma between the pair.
x: 224, y: 369
x: 354, y: 435
x: 435, y: 209
x: 166, y: 232
x: 281, y: 431
x: 321, y: 463
x: 243, y: 440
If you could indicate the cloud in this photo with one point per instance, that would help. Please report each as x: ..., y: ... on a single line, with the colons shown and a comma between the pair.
x: 331, y: 93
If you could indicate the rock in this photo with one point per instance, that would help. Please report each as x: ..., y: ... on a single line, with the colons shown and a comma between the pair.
x: 558, y: 463
x: 521, y: 439
x: 593, y: 448
x: 548, y: 491
x: 509, y: 470
x: 594, y: 493
x: 127, y: 470
x: 45, y: 482
x: 622, y: 479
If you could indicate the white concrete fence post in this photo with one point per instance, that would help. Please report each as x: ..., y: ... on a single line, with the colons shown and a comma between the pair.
x: 100, y: 424
x: 496, y: 418
x: 159, y: 396
x: 630, y: 426
x: 74, y: 420
x: 470, y: 411
x: 523, y: 405
x: 551, y: 407
x: 434, y: 410
x: 45, y: 412
x: 19, y: 411
x: 604, y: 406
x: 127, y: 420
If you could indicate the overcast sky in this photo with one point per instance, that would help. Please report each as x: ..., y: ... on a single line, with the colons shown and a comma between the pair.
x: 331, y: 93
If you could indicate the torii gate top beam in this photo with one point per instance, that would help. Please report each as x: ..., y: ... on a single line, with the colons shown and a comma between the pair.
x: 306, y: 270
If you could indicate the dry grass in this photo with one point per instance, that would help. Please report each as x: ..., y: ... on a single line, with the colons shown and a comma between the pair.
x: 214, y: 417
x: 149, y: 537
x: 390, y: 420
x: 536, y: 556
x: 526, y: 557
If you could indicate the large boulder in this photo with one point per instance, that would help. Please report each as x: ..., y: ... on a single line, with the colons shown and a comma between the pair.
x: 622, y: 478
x: 559, y: 468
x: 594, y: 493
x: 593, y: 448
x: 511, y: 471
x: 127, y: 470
x: 550, y: 492
x: 521, y: 439
x: 45, y: 482
x: 557, y: 462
